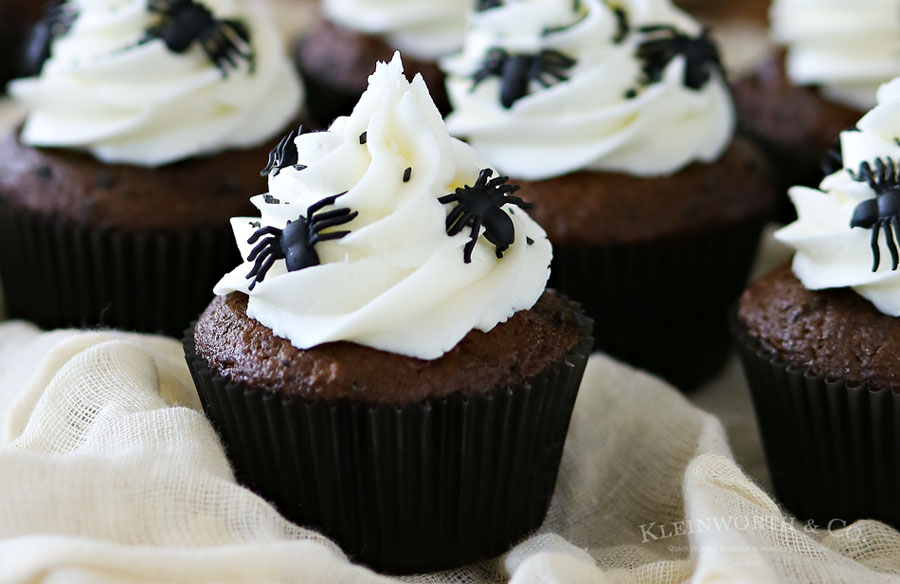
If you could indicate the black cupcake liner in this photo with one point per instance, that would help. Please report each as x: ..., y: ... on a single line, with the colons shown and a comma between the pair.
x: 662, y: 305
x: 832, y: 445
x: 57, y: 273
x: 428, y: 486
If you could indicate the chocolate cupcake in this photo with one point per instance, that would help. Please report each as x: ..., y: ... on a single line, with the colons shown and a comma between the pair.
x: 382, y: 367
x: 143, y: 137
x: 797, y: 103
x: 16, y: 18
x: 338, y: 54
x: 623, y: 138
x: 820, y: 342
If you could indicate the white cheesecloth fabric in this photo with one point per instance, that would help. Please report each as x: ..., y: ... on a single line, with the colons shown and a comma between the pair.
x: 109, y: 473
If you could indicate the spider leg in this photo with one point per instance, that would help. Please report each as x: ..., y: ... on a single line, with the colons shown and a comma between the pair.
x: 453, y: 216
x: 890, y: 235
x: 470, y: 247
x: 876, y: 253
x: 318, y: 226
x: 497, y: 181
x: 259, y: 262
x: 262, y: 272
x: 317, y: 237
x: 483, y: 177
x: 323, y: 203
x: 267, y: 230
x: 451, y: 198
x: 261, y: 247
x: 460, y: 224
x: 329, y: 214
x: 518, y: 202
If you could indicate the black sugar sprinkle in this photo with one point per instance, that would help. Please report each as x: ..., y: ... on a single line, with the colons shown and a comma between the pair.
x: 407, y: 174
x: 529, y: 241
x: 631, y: 94
x: 271, y: 200
x: 363, y: 137
x: 255, y: 224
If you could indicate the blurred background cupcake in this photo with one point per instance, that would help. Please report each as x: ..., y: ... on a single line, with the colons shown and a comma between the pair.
x: 387, y: 365
x: 16, y: 19
x: 834, y: 57
x: 820, y: 340
x: 616, y: 120
x: 147, y: 126
x: 337, y: 56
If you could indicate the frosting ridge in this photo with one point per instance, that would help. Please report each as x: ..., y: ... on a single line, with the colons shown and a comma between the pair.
x: 397, y: 281
x: 130, y: 98
x: 424, y: 29
x: 829, y: 252
x: 849, y: 47
x: 618, y: 106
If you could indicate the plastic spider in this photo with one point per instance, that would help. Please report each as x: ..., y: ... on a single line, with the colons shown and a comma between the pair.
x: 57, y: 20
x: 185, y: 22
x: 482, y: 5
x: 296, y: 243
x: 516, y: 72
x: 881, y: 211
x: 283, y: 155
x: 666, y: 42
x: 481, y: 206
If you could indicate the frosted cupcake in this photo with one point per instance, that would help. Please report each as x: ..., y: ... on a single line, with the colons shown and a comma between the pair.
x: 338, y: 55
x: 835, y: 56
x: 820, y: 340
x: 619, y: 120
x: 147, y: 126
x: 387, y: 365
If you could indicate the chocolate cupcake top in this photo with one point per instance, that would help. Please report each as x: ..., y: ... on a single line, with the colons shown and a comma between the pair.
x: 387, y: 232
x: 849, y: 47
x: 848, y: 230
x: 548, y: 87
x: 149, y: 82
x: 424, y: 29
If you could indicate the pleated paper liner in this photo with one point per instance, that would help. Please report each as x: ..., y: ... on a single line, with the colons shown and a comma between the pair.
x: 662, y: 305
x: 833, y: 446
x: 432, y: 485
x: 57, y: 273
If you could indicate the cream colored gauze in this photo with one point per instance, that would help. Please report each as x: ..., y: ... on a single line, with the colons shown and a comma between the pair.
x: 109, y: 473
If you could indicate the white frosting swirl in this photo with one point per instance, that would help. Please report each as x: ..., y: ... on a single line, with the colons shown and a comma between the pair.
x: 587, y: 121
x: 131, y: 102
x: 397, y: 282
x: 849, y: 47
x: 424, y: 29
x: 831, y: 254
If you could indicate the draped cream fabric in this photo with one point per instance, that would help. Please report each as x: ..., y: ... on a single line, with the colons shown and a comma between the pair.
x: 108, y: 473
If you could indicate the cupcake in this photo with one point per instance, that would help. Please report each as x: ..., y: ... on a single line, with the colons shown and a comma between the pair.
x: 387, y: 366
x: 338, y: 54
x: 144, y: 135
x: 820, y: 339
x: 617, y: 122
x: 16, y: 17
x: 796, y: 104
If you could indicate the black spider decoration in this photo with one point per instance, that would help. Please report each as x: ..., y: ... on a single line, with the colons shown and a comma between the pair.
x: 57, y: 20
x: 481, y: 206
x: 296, y: 243
x: 665, y: 43
x: 881, y: 211
x: 516, y: 72
x: 623, y: 26
x: 283, y: 155
x: 482, y: 5
x: 185, y: 22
